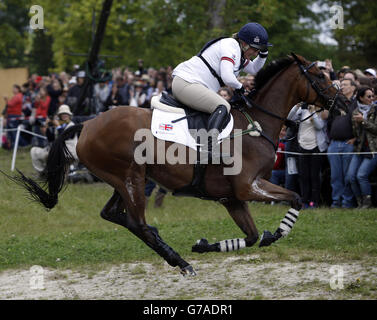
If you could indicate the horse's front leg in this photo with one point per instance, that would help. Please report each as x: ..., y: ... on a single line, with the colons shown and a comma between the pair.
x: 263, y: 190
x: 239, y: 211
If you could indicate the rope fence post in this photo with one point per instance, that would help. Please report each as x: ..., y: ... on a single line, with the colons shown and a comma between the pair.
x: 1, y: 131
x: 15, y: 147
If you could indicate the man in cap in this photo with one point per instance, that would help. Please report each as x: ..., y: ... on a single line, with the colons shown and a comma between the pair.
x: 52, y: 129
x: 370, y: 73
x: 75, y: 91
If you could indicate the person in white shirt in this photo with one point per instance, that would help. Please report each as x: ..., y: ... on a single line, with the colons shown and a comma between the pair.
x: 312, y: 138
x: 197, y: 80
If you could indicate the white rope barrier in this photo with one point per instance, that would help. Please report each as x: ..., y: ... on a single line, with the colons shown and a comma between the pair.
x: 15, y: 148
x: 1, y: 131
x: 324, y: 153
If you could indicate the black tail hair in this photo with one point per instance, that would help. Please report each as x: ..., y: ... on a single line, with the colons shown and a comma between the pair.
x: 58, y: 161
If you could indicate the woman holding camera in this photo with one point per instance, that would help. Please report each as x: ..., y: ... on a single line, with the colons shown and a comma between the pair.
x: 364, y: 126
x: 312, y: 138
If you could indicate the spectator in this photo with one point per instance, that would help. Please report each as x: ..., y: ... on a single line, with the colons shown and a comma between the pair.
x: 160, y: 195
x: 114, y: 98
x: 13, y: 115
x: 162, y: 75
x: 54, y: 91
x: 140, y: 66
x: 341, y: 72
x: 370, y: 73
x: 151, y: 89
x: 146, y: 89
x: 75, y: 91
x: 226, y: 93
x: 159, y: 88
x: 312, y: 138
x: 291, y: 160
x: 39, y: 115
x: 72, y: 82
x: 328, y: 69
x: 63, y: 76
x: 102, y: 92
x: 52, y: 129
x: 364, y: 123
x: 341, y: 141
x: 27, y: 101
x: 137, y: 95
x: 152, y: 74
x: 123, y: 90
x: 351, y: 75
x: 249, y: 82
x: 278, y: 171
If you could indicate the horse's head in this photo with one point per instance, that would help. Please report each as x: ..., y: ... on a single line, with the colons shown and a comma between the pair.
x: 317, y: 89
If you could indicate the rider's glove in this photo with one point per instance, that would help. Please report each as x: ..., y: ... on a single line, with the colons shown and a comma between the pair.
x: 237, y: 96
x: 239, y: 92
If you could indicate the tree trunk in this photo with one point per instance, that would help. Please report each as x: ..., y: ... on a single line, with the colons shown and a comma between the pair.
x: 216, y: 10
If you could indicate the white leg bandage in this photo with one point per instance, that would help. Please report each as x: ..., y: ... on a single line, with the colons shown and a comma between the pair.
x: 289, y: 220
x: 232, y: 245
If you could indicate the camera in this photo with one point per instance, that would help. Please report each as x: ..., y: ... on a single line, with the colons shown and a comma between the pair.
x: 321, y: 64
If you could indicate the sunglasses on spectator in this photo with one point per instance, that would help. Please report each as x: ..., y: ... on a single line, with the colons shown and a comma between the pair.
x: 370, y: 96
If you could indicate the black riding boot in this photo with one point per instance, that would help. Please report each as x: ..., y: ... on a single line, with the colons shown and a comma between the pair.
x: 216, y: 121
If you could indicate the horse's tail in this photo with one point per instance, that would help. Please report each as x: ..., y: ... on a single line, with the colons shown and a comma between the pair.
x: 58, y: 161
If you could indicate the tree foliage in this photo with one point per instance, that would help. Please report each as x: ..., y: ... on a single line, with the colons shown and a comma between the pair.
x: 165, y: 32
x: 357, y: 42
x: 13, y: 32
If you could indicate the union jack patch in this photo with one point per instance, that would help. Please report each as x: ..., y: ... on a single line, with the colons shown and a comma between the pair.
x: 165, y: 127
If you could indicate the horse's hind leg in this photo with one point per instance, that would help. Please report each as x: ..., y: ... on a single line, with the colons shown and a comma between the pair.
x: 131, y: 194
x: 239, y: 211
x: 114, y: 210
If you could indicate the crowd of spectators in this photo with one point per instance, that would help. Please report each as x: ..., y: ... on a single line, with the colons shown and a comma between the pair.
x: 340, y: 144
x: 36, y: 103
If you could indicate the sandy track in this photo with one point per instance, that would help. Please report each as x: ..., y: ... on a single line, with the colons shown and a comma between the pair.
x: 244, y: 277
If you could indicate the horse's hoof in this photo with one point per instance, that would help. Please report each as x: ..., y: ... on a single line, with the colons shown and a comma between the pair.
x: 188, y: 271
x: 266, y: 239
x: 201, y: 246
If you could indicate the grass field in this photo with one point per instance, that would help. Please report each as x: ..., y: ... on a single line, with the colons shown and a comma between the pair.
x: 73, y: 235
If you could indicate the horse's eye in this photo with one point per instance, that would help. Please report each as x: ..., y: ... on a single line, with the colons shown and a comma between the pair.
x: 321, y: 76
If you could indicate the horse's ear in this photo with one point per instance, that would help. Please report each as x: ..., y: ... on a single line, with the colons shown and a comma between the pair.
x: 295, y: 57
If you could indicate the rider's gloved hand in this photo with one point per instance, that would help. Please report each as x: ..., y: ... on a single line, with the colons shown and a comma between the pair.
x: 237, y: 95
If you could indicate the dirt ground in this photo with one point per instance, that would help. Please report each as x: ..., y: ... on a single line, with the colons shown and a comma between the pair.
x: 241, y: 277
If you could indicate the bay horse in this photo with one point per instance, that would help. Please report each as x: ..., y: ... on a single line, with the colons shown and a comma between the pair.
x: 106, y: 147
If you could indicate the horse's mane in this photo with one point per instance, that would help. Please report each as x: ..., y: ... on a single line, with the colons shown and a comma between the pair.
x: 264, y: 75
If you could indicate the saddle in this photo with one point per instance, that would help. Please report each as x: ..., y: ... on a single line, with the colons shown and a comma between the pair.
x: 195, y: 119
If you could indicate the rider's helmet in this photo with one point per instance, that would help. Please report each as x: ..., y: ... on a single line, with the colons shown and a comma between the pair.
x: 255, y: 36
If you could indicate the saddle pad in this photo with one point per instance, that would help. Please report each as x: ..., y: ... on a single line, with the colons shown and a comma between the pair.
x: 163, y: 128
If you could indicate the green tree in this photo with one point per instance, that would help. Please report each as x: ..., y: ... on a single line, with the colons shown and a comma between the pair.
x: 40, y: 58
x: 14, y: 20
x: 166, y: 32
x: 357, y: 42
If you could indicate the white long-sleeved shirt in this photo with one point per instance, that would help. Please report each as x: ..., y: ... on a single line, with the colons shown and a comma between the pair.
x: 224, y: 57
x: 312, y: 132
